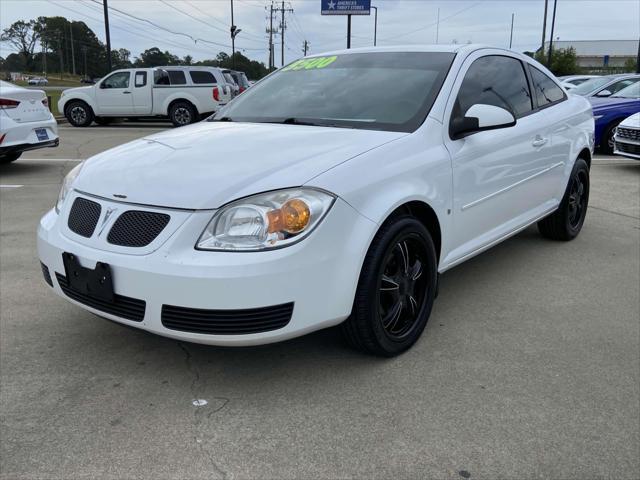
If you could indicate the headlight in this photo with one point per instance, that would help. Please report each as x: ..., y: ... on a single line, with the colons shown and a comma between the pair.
x: 266, y: 221
x: 67, y: 183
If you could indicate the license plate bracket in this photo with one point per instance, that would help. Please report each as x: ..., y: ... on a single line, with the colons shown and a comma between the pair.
x: 96, y: 283
x: 42, y: 134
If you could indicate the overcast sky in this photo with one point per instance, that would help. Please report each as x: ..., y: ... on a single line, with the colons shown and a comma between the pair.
x: 399, y: 22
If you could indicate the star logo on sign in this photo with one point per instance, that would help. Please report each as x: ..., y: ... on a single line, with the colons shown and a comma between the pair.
x: 331, y: 5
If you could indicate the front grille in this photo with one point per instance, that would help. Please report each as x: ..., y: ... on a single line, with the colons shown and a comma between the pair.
x: 135, y: 228
x: 630, y: 133
x: 124, y: 307
x: 46, y: 274
x: 628, y: 148
x: 84, y: 216
x: 226, y: 322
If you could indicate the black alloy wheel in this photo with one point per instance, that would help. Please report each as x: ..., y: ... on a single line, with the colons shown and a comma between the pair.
x: 396, y: 289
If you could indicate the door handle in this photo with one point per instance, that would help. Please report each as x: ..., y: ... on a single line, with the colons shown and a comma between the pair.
x: 539, y: 141
x: 125, y: 92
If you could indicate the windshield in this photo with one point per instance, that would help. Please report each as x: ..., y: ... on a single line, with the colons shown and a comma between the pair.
x: 590, y: 85
x: 376, y: 91
x: 632, y: 91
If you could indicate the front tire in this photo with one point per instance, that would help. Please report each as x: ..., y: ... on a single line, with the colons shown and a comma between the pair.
x: 566, y: 222
x: 607, y: 143
x: 182, y: 113
x: 396, y: 289
x: 79, y: 114
x: 9, y: 157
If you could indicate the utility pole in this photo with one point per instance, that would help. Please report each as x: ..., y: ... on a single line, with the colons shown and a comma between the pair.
x: 553, y: 25
x: 271, y: 31
x: 106, y: 29
x: 375, y: 27
x: 60, y: 54
x: 283, y: 27
x: 84, y: 52
x: 233, y: 39
x: 544, y: 24
x: 305, y: 47
x: 73, y: 52
x: 44, y: 58
x: 348, y: 31
x: 438, y: 26
x: 511, y: 37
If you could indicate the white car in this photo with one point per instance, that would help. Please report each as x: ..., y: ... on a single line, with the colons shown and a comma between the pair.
x: 25, y: 122
x: 38, y: 81
x: 183, y: 94
x: 626, y: 140
x: 298, y: 207
x: 572, y: 81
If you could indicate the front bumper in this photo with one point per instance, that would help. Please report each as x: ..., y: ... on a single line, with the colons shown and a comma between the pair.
x: 626, y: 148
x: 318, y: 275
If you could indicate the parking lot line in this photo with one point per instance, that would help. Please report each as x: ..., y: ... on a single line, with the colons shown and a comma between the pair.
x: 52, y: 159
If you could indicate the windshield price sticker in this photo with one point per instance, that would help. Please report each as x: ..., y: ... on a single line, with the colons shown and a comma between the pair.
x: 310, y: 63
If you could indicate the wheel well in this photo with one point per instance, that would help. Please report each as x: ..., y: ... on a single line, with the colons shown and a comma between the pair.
x: 76, y: 100
x: 585, y: 154
x: 427, y: 216
x: 181, y: 100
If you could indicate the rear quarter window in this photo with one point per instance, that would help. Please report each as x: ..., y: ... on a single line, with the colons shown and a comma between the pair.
x: 177, y: 77
x: 200, y: 77
x: 547, y: 92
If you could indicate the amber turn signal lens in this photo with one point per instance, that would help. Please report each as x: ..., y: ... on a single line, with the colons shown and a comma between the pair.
x: 292, y: 217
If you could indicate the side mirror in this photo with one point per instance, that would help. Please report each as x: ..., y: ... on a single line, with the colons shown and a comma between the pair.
x: 604, y: 93
x: 480, y: 117
x: 103, y: 85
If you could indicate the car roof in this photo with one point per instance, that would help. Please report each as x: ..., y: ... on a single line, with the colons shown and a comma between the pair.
x: 451, y: 48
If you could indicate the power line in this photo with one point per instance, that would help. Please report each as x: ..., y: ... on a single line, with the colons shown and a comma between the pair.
x: 434, y: 23
x: 245, y: 34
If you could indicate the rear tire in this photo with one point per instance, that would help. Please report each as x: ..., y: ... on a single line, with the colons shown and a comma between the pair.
x: 182, y: 113
x: 566, y: 222
x: 9, y: 157
x: 395, y: 291
x: 78, y: 113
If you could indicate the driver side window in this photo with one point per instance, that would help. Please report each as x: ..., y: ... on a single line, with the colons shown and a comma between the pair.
x: 495, y: 80
x: 117, y: 80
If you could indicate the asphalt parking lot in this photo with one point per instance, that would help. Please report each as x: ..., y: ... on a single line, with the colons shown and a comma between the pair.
x: 528, y: 368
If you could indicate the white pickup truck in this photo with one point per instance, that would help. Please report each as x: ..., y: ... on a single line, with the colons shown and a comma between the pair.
x: 183, y: 94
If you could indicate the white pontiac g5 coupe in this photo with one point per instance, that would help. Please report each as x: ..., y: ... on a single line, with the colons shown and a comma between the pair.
x: 321, y: 196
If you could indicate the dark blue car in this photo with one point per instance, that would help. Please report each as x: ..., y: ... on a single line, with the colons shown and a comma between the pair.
x: 610, y: 111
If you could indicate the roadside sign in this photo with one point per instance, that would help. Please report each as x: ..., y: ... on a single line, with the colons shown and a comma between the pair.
x: 346, y: 7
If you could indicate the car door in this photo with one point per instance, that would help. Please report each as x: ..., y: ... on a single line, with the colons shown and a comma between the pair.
x: 141, y: 95
x: 495, y: 172
x: 553, y: 116
x: 113, y: 95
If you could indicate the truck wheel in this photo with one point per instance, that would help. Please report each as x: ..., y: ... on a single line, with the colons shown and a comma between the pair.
x: 78, y: 113
x: 9, y: 157
x: 104, y: 120
x: 182, y: 113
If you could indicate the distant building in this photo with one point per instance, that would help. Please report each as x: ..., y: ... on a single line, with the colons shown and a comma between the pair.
x: 600, y: 53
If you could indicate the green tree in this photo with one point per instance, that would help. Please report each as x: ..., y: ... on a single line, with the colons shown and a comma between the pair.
x: 23, y: 36
x: 121, y: 58
x: 631, y: 65
x: 154, y: 57
x: 564, y: 61
x: 187, y: 60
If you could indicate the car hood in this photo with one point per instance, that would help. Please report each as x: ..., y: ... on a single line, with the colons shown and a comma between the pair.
x: 206, y: 165
x: 610, y: 103
x: 87, y: 89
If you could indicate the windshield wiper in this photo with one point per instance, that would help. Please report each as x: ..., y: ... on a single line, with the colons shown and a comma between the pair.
x: 296, y: 121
